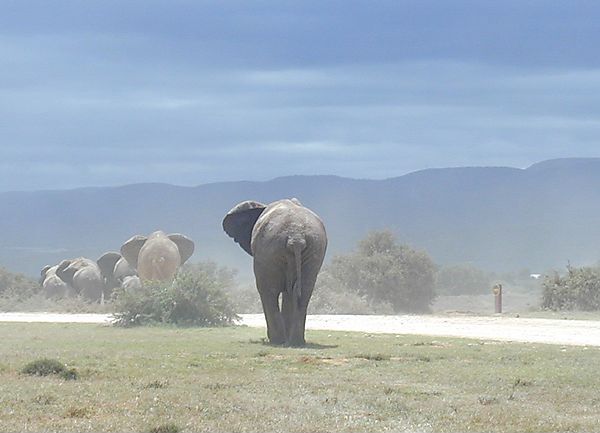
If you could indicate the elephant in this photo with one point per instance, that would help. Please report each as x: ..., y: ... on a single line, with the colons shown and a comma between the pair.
x: 158, y: 256
x: 114, y: 269
x: 52, y: 285
x: 288, y: 243
x: 131, y: 283
x: 85, y: 276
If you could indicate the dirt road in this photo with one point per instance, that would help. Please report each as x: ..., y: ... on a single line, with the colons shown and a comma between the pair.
x: 563, y: 332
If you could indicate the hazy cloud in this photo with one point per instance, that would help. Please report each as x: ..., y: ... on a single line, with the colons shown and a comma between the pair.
x: 106, y: 93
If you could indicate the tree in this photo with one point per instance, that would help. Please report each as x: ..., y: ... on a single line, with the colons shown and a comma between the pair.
x: 462, y: 280
x: 383, y: 271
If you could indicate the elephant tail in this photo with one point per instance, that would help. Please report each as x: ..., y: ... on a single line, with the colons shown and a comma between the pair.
x: 295, y: 245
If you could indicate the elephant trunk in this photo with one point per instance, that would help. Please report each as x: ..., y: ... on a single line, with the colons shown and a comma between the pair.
x: 295, y: 245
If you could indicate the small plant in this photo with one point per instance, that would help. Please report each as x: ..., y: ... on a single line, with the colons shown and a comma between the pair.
x: 45, y: 367
x: 373, y: 357
x: 77, y: 412
x: 165, y: 428
x: 487, y: 400
x: 157, y: 384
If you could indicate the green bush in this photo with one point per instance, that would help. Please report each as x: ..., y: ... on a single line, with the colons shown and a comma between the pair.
x: 384, y: 272
x: 579, y: 289
x: 46, y: 367
x: 197, y: 297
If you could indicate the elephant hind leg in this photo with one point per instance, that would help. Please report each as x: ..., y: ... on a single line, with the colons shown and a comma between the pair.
x: 275, y: 325
x: 288, y: 310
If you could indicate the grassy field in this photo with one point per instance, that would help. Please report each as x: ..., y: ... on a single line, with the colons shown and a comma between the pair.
x: 168, y: 380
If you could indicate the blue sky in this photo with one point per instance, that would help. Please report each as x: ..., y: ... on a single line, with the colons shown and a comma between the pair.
x: 190, y: 92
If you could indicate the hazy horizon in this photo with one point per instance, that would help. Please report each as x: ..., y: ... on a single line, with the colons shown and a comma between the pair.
x: 268, y: 179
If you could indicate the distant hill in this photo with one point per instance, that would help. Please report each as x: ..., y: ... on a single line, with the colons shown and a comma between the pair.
x: 497, y: 218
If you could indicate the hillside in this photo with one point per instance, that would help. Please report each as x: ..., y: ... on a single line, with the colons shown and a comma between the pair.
x: 496, y: 218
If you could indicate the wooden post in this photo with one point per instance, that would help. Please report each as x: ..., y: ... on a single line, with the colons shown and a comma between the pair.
x: 498, y: 298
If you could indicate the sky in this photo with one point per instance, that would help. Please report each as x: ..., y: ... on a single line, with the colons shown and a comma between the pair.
x: 101, y: 93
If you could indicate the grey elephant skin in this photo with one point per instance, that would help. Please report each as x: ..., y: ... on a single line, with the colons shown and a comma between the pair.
x: 52, y: 285
x: 159, y: 256
x: 114, y: 269
x: 84, y: 276
x: 288, y: 243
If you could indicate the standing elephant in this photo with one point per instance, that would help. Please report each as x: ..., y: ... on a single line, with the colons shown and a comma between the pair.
x: 158, y: 256
x: 288, y: 243
x: 114, y: 269
x: 52, y: 285
x: 84, y: 276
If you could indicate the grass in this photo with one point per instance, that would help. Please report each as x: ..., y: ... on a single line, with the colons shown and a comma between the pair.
x: 164, y: 379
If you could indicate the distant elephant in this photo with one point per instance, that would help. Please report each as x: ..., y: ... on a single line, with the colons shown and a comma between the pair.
x: 158, y: 256
x: 114, y: 269
x: 288, y: 243
x: 85, y: 276
x: 131, y: 283
x: 52, y: 285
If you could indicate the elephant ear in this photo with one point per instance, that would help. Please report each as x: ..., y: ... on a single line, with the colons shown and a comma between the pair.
x: 63, y: 274
x: 184, y: 244
x: 107, y: 263
x: 43, y: 273
x: 131, y: 249
x: 239, y: 222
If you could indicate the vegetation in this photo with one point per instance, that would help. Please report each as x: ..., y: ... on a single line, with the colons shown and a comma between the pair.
x: 197, y: 297
x: 45, y: 367
x: 16, y: 287
x: 462, y: 279
x: 384, y: 274
x: 579, y: 289
x: 227, y: 379
x: 331, y: 296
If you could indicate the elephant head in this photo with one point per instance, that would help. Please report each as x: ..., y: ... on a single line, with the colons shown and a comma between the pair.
x: 239, y: 222
x: 107, y: 263
x: 84, y: 276
x: 67, y: 269
x: 157, y: 256
x: 287, y: 242
x: 52, y: 285
x: 43, y: 274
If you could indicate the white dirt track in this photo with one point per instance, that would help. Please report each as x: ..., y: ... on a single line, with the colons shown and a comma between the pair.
x: 500, y: 328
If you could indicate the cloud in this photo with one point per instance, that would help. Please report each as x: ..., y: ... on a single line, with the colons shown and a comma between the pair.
x: 190, y: 92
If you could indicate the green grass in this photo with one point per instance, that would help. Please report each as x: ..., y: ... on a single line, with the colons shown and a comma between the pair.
x: 167, y: 379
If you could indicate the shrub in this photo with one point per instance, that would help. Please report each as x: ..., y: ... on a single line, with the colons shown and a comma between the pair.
x: 579, y: 289
x: 165, y: 428
x: 45, y: 367
x: 462, y: 280
x: 16, y: 286
x: 196, y: 298
x: 385, y: 272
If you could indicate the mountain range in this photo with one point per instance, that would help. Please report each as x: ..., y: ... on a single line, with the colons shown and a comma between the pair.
x: 496, y: 218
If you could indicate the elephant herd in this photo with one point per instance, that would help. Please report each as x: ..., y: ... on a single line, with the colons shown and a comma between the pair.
x: 142, y: 258
x: 286, y: 240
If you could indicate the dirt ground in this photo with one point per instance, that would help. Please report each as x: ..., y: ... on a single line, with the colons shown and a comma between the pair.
x: 501, y: 328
